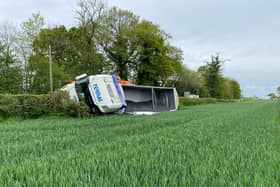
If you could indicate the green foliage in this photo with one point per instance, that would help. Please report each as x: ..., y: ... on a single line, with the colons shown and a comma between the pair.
x: 187, y: 80
x: 204, y: 92
x: 272, y: 96
x: 31, y: 28
x: 34, y: 106
x: 10, y: 72
x: 59, y: 40
x: 183, y: 101
x: 251, y: 99
x: 25, y: 49
x: 78, y: 110
x: 40, y: 79
x: 236, y: 90
x: 213, y: 76
x: 72, y: 50
x: 157, y: 59
x: 119, y: 42
x: 232, y: 144
x: 214, y: 84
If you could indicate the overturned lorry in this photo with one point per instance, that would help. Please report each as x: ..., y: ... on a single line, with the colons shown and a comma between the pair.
x: 104, y: 94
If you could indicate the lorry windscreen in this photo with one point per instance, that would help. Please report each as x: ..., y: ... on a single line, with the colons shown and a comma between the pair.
x: 84, y: 93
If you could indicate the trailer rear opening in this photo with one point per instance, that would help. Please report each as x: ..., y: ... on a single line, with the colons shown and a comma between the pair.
x: 150, y: 99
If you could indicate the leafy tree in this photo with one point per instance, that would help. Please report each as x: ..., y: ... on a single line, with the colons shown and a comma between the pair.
x: 10, y: 72
x: 8, y: 34
x: 187, y: 80
x: 58, y: 39
x: 278, y: 90
x: 26, y: 37
x: 119, y: 42
x: 69, y: 51
x: 91, y: 14
x: 39, y: 68
x: 156, y: 61
x: 229, y: 89
x: 213, y: 75
x: 236, y: 89
x: 213, y: 82
x: 10, y: 64
x: 62, y: 48
x: 272, y: 95
x: 203, y: 73
x: 225, y: 90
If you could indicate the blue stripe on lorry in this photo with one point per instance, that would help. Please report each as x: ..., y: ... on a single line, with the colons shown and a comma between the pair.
x: 119, y: 91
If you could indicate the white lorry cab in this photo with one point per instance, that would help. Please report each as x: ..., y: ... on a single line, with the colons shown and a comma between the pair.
x: 102, y: 93
x: 70, y: 88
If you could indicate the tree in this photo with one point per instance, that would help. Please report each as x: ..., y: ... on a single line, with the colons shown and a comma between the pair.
x: 203, y: 73
x: 225, y: 90
x: 213, y: 75
x: 10, y: 69
x: 119, y: 42
x: 272, y: 95
x: 229, y: 88
x: 10, y: 74
x: 8, y: 33
x: 187, y: 80
x: 91, y: 14
x: 68, y: 50
x: 213, y: 82
x: 62, y: 48
x: 278, y: 90
x: 27, y: 35
x: 213, y: 79
x: 38, y: 66
x: 156, y: 58
x: 236, y: 89
x: 58, y: 39
x: 65, y: 56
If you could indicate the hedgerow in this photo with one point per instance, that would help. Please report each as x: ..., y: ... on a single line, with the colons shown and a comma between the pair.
x: 183, y: 101
x: 34, y: 106
x: 59, y: 104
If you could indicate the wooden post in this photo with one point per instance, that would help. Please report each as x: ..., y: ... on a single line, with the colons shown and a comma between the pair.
x: 51, y: 76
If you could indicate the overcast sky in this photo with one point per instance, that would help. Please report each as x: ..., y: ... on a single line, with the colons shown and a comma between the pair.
x: 245, y: 31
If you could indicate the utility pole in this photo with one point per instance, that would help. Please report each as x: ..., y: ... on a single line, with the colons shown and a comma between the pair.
x: 51, y: 76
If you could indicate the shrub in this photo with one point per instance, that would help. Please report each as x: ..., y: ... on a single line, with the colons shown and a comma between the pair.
x: 79, y: 110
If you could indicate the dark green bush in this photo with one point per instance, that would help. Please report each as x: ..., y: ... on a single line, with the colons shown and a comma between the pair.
x: 34, y: 106
x: 79, y: 110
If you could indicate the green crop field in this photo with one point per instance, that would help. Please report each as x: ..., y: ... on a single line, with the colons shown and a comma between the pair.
x: 233, y: 144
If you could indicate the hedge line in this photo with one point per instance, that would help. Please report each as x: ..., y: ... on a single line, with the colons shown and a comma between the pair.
x: 34, y: 106
x: 183, y: 101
